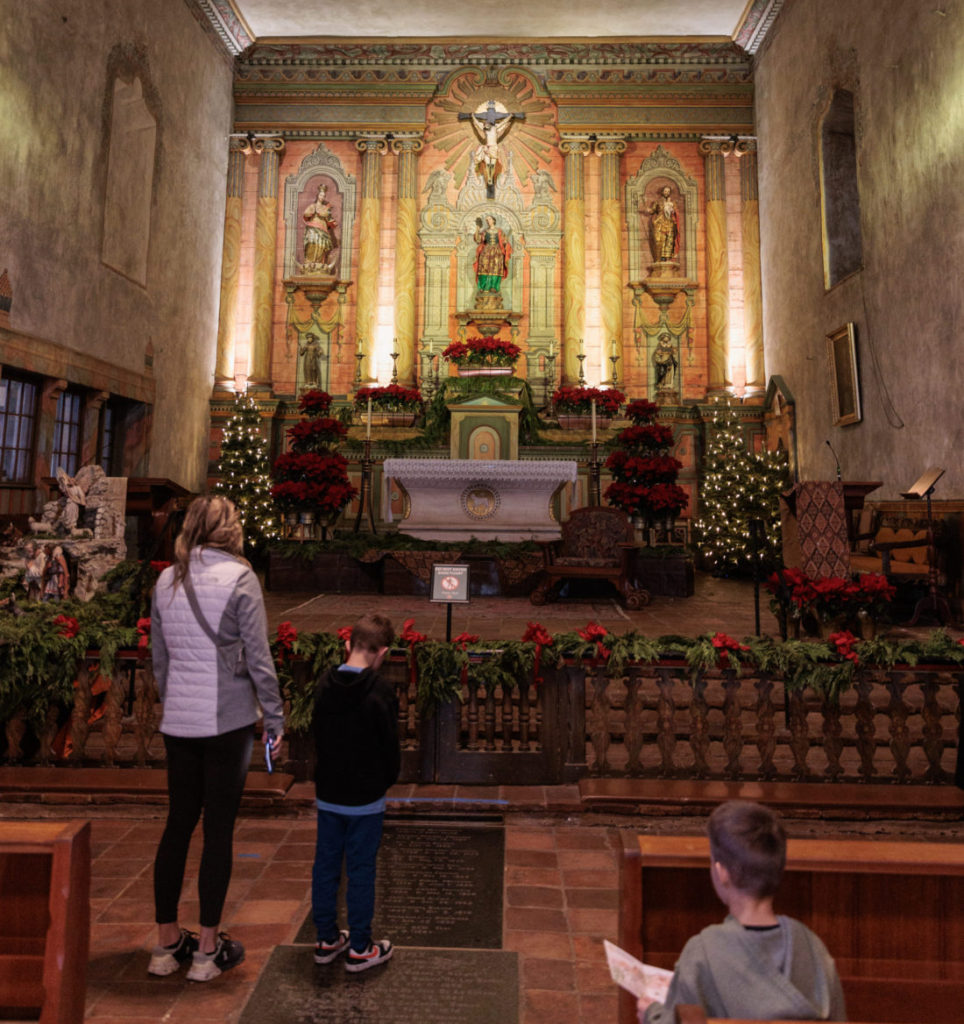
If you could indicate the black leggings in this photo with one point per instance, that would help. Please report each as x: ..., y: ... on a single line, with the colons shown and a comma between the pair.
x: 205, y: 773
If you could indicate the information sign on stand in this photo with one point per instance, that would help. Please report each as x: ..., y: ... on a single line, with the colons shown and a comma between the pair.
x: 450, y: 585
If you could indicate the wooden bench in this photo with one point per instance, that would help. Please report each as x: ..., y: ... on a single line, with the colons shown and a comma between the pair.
x: 695, y: 1015
x: 889, y: 912
x: 44, y: 920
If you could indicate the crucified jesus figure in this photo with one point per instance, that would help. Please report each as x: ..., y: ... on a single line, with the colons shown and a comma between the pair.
x: 490, y: 123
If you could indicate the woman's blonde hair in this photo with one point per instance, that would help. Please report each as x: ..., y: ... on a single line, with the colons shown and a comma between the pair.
x: 211, y: 521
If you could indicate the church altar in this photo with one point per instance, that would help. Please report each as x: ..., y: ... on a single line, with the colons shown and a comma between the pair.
x: 457, y: 499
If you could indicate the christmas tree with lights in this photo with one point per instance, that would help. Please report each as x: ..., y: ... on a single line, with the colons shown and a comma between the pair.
x: 738, y: 528
x: 244, y: 474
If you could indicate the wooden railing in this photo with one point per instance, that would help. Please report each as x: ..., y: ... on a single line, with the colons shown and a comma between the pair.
x: 661, y: 720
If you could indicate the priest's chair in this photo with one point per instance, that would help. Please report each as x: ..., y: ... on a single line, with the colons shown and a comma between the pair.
x: 596, y: 544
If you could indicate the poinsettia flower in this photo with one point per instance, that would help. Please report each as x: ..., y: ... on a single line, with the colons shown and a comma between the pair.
x: 314, y: 402
x: 344, y: 634
x: 286, y: 635
x: 722, y: 642
x: 594, y: 633
x: 464, y: 639
x: 844, y: 642
x: 69, y: 626
x: 410, y: 635
x: 537, y: 634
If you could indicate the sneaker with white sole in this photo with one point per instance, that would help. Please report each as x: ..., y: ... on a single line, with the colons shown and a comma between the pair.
x: 377, y: 953
x: 207, y: 966
x: 325, y: 952
x: 166, y: 960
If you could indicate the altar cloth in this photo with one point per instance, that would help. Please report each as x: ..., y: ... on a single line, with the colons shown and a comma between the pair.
x: 457, y: 499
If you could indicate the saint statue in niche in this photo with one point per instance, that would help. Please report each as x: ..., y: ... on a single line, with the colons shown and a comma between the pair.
x: 319, y: 234
x: 663, y: 226
x: 492, y: 254
x: 310, y: 353
x: 665, y: 363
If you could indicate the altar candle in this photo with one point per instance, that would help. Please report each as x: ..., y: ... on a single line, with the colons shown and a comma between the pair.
x: 552, y: 348
x: 594, y: 421
x: 368, y: 435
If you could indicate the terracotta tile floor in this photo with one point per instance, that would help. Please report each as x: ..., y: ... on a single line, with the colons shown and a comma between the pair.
x: 559, y: 893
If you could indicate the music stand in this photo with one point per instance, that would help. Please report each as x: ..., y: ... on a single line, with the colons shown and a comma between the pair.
x: 933, y: 600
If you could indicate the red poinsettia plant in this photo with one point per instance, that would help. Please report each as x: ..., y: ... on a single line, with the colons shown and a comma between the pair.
x: 392, y: 398
x: 482, y: 352
x: 578, y: 400
x: 644, y: 473
x: 312, y: 476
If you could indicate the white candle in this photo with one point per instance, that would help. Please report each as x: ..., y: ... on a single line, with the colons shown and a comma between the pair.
x: 593, y: 421
x: 552, y: 347
x: 368, y: 435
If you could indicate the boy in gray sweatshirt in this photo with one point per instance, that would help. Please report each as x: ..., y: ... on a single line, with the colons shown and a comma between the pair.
x: 757, y: 965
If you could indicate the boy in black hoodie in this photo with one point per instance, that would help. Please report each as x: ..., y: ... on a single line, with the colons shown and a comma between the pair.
x: 357, y: 758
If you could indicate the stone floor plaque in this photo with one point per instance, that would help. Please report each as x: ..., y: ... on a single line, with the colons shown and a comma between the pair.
x: 417, y: 986
x: 436, y: 885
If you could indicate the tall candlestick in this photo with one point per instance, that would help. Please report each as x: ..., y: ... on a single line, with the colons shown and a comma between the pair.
x: 594, y: 421
x: 368, y: 435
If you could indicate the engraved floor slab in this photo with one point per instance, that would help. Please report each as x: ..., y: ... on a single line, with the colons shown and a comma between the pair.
x: 417, y: 986
x: 436, y: 885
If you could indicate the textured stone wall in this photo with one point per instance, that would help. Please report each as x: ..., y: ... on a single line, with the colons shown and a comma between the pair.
x: 902, y: 62
x: 58, y: 65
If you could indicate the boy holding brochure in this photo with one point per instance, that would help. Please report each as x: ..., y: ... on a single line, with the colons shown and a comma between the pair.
x: 757, y: 964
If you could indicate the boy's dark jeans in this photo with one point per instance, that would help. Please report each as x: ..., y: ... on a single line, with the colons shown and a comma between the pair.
x: 354, y: 839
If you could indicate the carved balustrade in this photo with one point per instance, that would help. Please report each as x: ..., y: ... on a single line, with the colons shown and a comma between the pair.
x: 658, y: 720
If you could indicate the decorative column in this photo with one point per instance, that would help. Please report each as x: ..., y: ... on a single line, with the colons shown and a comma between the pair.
x: 406, y: 229
x: 575, y: 149
x: 609, y: 149
x: 231, y: 262
x: 752, y: 284
x: 371, y: 148
x: 265, y: 254
x: 717, y: 265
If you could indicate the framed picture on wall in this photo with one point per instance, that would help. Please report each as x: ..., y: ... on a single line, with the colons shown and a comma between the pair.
x: 844, y: 383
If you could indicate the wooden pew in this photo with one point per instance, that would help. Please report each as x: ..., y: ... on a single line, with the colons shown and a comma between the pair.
x: 889, y: 912
x: 44, y: 920
x: 695, y: 1015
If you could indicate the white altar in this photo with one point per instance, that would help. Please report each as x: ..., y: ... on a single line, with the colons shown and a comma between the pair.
x: 457, y: 499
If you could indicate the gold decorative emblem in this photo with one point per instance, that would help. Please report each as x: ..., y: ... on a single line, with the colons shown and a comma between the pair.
x: 479, y: 501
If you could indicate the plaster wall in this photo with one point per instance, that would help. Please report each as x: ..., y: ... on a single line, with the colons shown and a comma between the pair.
x: 57, y: 65
x: 902, y: 62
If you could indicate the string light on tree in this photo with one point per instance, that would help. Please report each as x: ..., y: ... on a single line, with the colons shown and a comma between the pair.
x: 738, y: 487
x: 244, y: 473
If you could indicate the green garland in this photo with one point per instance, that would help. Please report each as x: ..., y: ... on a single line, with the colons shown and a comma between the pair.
x: 39, y: 660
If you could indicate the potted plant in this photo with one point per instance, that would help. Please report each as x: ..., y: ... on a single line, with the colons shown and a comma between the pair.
x: 311, y: 479
x: 391, y: 406
x: 483, y: 357
x: 573, y: 406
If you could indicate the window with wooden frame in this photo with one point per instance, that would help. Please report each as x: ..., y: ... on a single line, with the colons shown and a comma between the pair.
x: 19, y: 398
x: 65, y: 453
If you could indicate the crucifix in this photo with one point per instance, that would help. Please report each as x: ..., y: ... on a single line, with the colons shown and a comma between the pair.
x: 490, y: 122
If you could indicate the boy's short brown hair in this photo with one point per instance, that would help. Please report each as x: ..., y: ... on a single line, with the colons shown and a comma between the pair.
x: 750, y: 842
x: 371, y: 633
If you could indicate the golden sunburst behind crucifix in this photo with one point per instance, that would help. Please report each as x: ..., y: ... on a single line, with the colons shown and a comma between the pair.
x: 484, y: 116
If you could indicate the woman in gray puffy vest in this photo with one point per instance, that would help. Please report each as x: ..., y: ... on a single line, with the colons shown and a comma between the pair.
x: 213, y: 667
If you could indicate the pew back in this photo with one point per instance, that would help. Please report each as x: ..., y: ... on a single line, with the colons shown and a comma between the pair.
x: 889, y: 912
